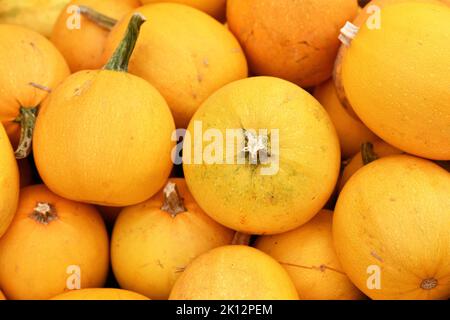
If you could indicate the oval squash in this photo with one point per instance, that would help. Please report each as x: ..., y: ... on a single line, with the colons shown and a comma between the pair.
x: 396, y: 77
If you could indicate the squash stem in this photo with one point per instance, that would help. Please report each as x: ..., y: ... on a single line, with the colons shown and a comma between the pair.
x: 121, y: 57
x: 100, y: 19
x: 173, y: 202
x: 367, y: 153
x: 241, y: 239
x: 44, y: 213
x: 27, y: 120
x: 256, y: 147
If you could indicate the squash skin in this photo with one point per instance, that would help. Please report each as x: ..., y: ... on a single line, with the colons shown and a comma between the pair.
x: 411, y: 86
x: 83, y: 48
x: 360, y: 19
x: 380, y: 148
x: 34, y: 257
x: 9, y: 182
x: 307, y: 253
x: 215, y: 8
x: 352, y: 132
x: 292, y: 40
x: 234, y: 272
x: 197, y: 58
x: 394, y: 213
x: 240, y: 197
x: 38, y: 15
x: 120, y: 148
x: 40, y: 63
x: 2, y: 296
x: 100, y: 294
x: 145, y: 234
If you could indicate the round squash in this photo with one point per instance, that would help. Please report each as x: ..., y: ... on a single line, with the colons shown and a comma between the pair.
x: 31, y: 66
x: 9, y: 182
x: 368, y: 153
x: 103, y: 136
x: 245, y: 192
x: 308, y: 255
x: 52, y: 243
x: 351, y: 132
x: 363, y: 15
x: 153, y: 241
x: 293, y: 40
x: 100, y: 294
x: 215, y: 8
x: 234, y: 272
x: 396, y: 77
x: 184, y: 53
x: 83, y: 47
x: 38, y: 15
x: 390, y: 229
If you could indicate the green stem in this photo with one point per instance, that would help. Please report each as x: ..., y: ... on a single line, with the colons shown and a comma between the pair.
x: 27, y: 120
x: 367, y: 153
x: 100, y: 19
x: 121, y: 57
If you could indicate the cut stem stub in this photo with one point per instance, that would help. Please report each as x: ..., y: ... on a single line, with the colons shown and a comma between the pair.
x: 44, y: 213
x: 173, y: 202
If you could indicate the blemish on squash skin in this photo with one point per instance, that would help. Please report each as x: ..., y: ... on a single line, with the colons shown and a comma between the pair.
x: 321, y: 268
x: 376, y: 256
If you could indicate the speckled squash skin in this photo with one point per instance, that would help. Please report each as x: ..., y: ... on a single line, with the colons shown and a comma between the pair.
x: 396, y: 78
x: 184, y: 53
x: 391, y: 223
x: 293, y: 40
x: 240, y: 196
x: 234, y: 272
